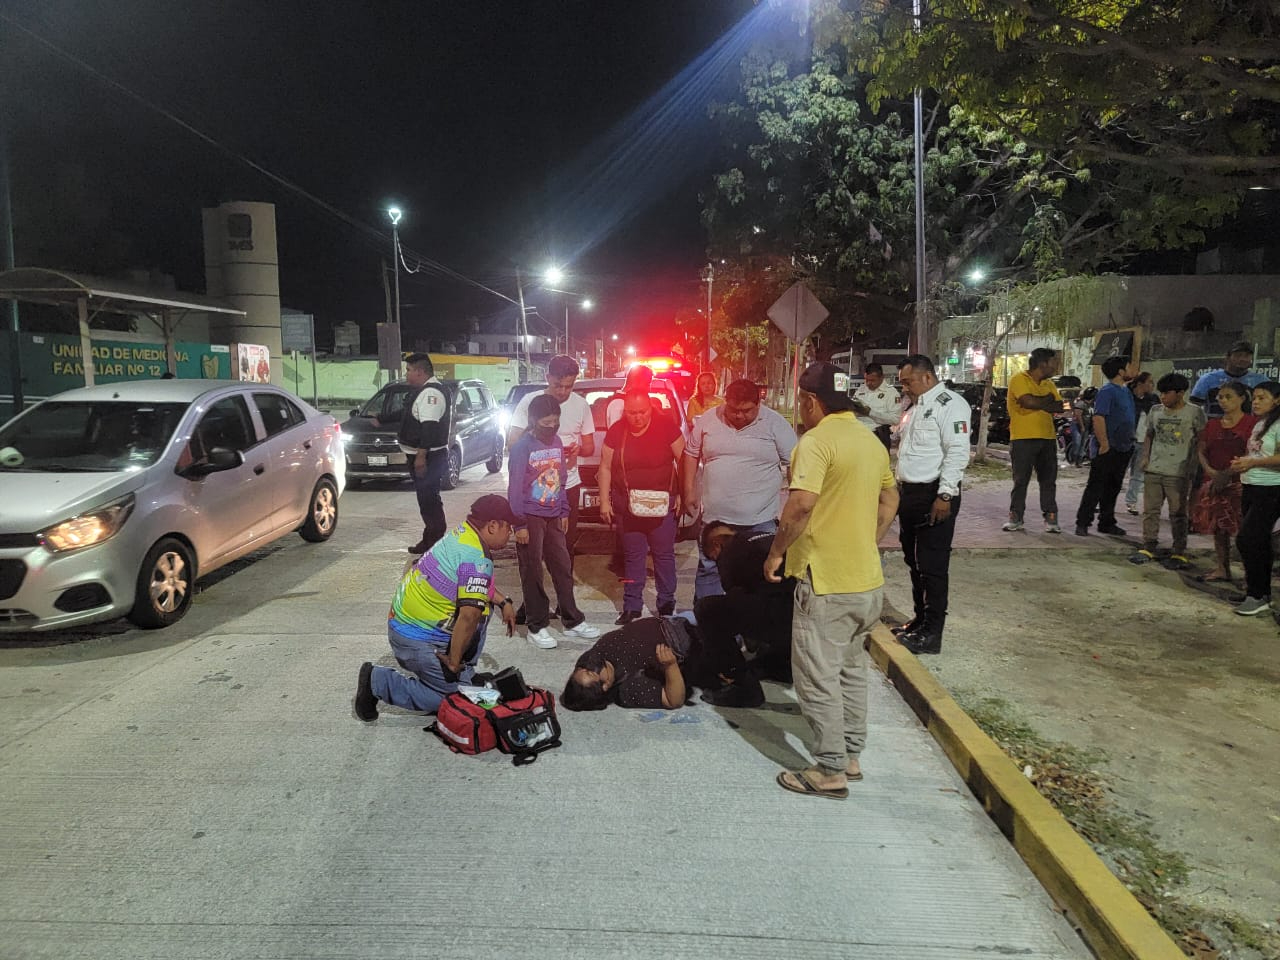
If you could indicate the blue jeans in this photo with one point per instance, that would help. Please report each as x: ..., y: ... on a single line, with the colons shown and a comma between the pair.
x: 642, y: 536
x: 706, y: 582
x: 427, y: 687
x: 427, y: 485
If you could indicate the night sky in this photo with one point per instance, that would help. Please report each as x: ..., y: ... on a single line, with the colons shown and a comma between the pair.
x: 478, y: 116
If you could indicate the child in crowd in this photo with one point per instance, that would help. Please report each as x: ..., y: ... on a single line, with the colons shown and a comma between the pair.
x: 1168, y: 460
x: 1217, y: 509
x: 1260, y: 474
x: 536, y: 491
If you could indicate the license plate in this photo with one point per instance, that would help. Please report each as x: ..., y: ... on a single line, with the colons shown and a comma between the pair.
x: 377, y: 460
x: 590, y: 500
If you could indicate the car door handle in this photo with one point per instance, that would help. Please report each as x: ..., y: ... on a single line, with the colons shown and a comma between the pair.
x: 260, y: 469
x: 306, y: 444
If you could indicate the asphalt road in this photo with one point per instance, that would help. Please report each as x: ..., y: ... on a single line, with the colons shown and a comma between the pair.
x: 204, y: 791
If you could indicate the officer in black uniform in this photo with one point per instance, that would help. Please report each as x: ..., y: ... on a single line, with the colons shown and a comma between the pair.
x: 933, y: 451
x: 424, y: 438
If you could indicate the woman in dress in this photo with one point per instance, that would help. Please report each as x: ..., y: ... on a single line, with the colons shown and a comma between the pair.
x: 1217, y: 509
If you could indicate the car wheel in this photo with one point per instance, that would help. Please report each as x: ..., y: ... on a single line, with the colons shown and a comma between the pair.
x: 166, y: 585
x: 494, y: 463
x: 452, y: 472
x: 322, y: 516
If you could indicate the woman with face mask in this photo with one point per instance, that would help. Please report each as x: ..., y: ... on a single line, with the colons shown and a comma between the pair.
x: 536, y: 490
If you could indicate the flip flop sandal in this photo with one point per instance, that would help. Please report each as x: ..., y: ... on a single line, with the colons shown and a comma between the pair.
x: 807, y: 788
x: 853, y: 777
x: 1210, y: 578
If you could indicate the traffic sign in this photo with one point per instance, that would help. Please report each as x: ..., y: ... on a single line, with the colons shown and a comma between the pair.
x: 295, y: 332
x: 797, y: 313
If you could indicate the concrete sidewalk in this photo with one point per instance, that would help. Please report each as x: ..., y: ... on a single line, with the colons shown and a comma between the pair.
x: 205, y: 792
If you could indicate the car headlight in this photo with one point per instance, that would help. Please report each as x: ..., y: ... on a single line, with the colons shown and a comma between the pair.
x: 88, y: 528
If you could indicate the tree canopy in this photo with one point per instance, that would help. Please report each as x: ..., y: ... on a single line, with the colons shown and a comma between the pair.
x: 1187, y: 89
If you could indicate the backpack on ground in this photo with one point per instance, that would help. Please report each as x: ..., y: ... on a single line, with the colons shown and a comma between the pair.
x: 523, y: 728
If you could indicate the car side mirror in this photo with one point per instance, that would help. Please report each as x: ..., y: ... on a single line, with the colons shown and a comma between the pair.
x: 355, y: 412
x: 220, y: 459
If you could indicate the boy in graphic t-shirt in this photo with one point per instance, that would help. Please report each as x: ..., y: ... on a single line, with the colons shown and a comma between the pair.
x: 536, y: 489
x: 1169, y: 457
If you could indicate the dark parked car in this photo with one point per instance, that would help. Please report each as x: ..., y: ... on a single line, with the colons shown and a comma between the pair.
x: 998, y: 423
x: 373, y: 453
x: 514, y: 396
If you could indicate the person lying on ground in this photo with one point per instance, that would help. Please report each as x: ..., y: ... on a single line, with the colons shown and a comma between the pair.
x: 649, y: 663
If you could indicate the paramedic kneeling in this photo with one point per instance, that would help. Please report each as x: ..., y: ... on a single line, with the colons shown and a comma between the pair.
x: 439, y: 615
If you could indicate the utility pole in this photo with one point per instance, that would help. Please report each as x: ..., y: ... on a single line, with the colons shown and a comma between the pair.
x: 6, y: 263
x: 921, y: 325
x: 709, y: 276
x: 520, y: 321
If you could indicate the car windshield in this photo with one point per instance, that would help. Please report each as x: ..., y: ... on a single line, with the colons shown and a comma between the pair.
x: 105, y: 435
x: 598, y: 400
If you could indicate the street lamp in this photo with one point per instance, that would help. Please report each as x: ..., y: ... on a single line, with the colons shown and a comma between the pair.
x: 586, y: 304
x: 977, y: 275
x: 554, y: 276
x: 709, y: 277
x: 395, y: 213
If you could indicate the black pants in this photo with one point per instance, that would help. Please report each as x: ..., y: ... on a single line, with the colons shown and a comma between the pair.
x: 764, y: 619
x: 884, y: 435
x: 1106, y: 477
x: 546, y: 544
x: 427, y: 485
x: 1261, y: 509
x: 927, y: 549
x: 1040, y: 457
x: 575, y: 504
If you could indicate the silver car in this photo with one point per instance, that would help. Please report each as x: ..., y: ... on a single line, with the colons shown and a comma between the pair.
x: 114, y: 499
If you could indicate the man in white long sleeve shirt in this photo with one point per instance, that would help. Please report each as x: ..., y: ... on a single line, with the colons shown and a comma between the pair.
x: 933, y: 451
x: 884, y: 406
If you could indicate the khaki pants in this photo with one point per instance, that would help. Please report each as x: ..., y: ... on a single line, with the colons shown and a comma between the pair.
x: 830, y: 668
x: 1156, y: 489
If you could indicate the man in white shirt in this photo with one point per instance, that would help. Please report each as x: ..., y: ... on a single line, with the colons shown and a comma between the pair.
x: 745, y: 451
x: 424, y: 438
x: 577, y: 430
x: 933, y: 451
x: 883, y: 404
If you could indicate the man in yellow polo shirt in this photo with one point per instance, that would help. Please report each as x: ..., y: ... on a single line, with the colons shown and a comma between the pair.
x: 842, y: 500
x: 1033, y: 445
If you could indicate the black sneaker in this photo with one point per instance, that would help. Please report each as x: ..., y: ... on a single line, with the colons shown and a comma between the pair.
x: 365, y: 704
x: 626, y: 616
x: 1112, y: 530
x: 905, y: 627
x: 419, y: 548
x: 666, y: 610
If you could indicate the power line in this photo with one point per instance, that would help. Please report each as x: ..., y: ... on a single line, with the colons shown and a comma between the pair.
x: 371, y: 232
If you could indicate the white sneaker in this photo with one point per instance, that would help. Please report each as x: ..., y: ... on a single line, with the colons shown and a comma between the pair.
x: 543, y: 639
x: 583, y: 631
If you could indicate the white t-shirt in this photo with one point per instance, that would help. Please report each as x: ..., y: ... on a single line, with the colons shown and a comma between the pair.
x: 575, y: 423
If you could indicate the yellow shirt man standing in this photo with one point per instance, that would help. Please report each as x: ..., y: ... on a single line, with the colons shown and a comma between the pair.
x: 842, y: 500
x: 1033, y: 445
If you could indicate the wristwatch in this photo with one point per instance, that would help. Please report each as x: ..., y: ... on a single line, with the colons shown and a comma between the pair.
x: 505, y: 601
x: 944, y: 497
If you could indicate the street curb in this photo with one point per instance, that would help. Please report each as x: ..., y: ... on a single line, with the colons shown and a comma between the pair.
x: 1112, y: 922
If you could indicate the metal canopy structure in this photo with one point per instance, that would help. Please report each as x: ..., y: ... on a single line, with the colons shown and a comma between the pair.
x: 93, y: 295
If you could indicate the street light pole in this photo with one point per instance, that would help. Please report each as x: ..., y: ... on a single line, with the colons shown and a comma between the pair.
x: 395, y: 214
x: 921, y: 320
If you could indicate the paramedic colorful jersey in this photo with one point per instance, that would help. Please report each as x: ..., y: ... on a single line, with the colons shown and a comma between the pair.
x: 454, y: 573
